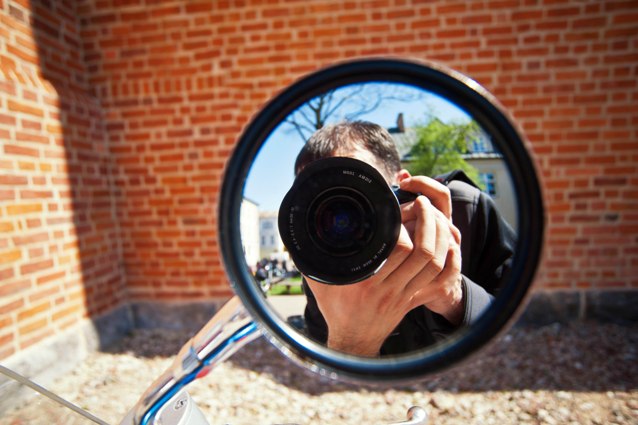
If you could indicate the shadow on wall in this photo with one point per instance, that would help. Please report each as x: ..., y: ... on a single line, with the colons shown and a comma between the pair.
x: 84, y: 220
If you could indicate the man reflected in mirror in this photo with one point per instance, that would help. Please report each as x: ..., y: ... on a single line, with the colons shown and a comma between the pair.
x: 452, y: 256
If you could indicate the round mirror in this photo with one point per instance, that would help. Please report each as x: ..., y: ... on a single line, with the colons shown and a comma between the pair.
x: 433, y: 122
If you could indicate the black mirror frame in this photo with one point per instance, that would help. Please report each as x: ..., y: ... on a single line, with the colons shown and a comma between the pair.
x: 483, y: 107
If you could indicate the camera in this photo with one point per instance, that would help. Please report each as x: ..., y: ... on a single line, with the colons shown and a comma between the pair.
x: 340, y: 220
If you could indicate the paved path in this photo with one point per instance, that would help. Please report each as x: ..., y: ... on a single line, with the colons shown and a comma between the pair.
x: 288, y: 305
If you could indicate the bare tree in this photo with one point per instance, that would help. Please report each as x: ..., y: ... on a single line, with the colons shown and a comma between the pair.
x: 346, y: 103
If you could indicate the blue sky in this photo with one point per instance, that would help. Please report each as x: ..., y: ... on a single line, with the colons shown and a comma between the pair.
x: 272, y: 172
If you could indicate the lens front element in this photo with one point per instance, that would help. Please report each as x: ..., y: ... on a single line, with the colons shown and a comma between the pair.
x: 341, y: 221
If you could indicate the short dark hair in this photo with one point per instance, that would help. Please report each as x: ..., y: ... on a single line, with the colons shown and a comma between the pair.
x: 330, y: 139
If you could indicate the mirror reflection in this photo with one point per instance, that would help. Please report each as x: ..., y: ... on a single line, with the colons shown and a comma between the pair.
x: 362, y: 270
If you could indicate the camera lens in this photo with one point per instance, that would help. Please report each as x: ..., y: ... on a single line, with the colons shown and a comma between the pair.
x: 341, y: 221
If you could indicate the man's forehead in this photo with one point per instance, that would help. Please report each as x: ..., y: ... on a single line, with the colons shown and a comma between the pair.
x: 359, y: 153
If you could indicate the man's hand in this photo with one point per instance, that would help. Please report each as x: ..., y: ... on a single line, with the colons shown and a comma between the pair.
x: 423, y: 269
x: 444, y: 294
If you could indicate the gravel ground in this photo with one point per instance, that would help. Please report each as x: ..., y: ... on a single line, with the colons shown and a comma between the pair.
x: 583, y: 373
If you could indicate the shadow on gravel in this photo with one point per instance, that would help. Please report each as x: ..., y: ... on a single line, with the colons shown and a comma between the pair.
x: 575, y: 357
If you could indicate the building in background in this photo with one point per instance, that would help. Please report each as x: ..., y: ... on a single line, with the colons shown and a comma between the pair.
x: 482, y: 155
x: 249, y: 226
x: 493, y: 173
x: 496, y: 181
x: 271, y: 245
x: 260, y: 236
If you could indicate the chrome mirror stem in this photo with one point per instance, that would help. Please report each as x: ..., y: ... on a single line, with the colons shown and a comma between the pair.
x: 229, y: 330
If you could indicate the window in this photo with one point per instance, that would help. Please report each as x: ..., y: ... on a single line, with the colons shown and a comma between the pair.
x: 266, y: 225
x: 489, y: 182
x: 480, y: 145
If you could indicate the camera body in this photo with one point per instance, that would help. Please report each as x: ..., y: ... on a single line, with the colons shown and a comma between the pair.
x: 340, y: 220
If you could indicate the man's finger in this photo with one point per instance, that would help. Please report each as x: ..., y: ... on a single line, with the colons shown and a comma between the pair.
x: 424, y: 238
x: 401, y: 251
x: 437, y: 193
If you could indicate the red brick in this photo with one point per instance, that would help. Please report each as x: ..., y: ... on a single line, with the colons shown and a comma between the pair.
x: 36, y: 310
x: 7, y: 120
x: 10, y: 256
x: 24, y: 108
x: 29, y: 239
x: 36, y: 266
x: 10, y: 306
x: 19, y: 209
x: 21, y: 150
x: 32, y: 326
x: 205, y: 6
x: 452, y: 8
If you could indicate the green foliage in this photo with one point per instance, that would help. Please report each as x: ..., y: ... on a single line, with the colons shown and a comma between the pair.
x: 439, y: 149
x: 290, y: 286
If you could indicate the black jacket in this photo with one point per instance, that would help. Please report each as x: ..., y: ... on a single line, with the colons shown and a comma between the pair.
x: 487, y: 248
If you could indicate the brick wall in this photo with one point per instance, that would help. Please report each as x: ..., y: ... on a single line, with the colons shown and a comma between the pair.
x: 161, y: 90
x: 178, y: 80
x: 60, y: 259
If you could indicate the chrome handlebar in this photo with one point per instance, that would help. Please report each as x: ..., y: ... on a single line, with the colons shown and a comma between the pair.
x: 229, y: 330
x: 166, y: 400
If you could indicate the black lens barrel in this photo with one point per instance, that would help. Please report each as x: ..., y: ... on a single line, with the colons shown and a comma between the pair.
x: 339, y: 221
